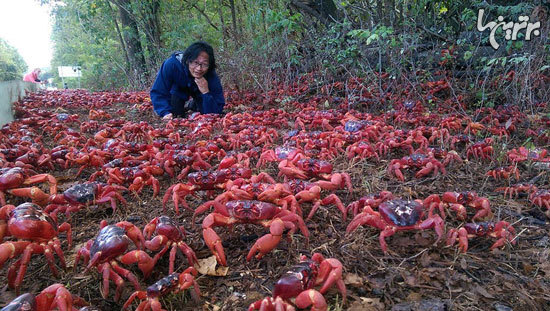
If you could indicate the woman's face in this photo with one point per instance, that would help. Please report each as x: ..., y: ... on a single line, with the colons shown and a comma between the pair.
x: 200, y: 65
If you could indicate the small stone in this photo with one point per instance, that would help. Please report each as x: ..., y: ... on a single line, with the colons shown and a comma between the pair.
x: 502, y: 307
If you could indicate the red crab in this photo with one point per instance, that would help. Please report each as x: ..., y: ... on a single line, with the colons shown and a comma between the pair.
x: 312, y: 193
x: 54, y: 297
x: 427, y: 164
x: 109, y: 247
x: 280, y: 153
x: 254, y: 212
x: 397, y: 215
x: 373, y: 200
x: 171, y: 160
x: 271, y: 192
x: 138, y: 177
x: 541, y: 198
x: 36, y: 233
x: 363, y: 150
x: 515, y: 190
x: 298, y: 283
x: 16, y: 177
x: 501, y: 230
x: 308, y: 167
x: 504, y: 172
x: 173, y: 283
x: 74, y: 198
x: 458, y: 201
x: 202, y: 180
x: 481, y: 149
x: 167, y: 235
x: 523, y: 154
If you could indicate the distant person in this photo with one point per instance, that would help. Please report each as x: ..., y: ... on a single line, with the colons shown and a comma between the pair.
x: 186, y: 75
x: 33, y: 76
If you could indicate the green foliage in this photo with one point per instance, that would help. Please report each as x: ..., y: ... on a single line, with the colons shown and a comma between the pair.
x: 12, y: 65
x: 83, y: 38
x: 258, y: 42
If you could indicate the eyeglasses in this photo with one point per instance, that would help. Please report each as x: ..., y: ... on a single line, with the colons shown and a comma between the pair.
x: 197, y: 64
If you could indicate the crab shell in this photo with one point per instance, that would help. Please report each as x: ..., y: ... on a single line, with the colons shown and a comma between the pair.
x: 11, y: 178
x: 23, y: 302
x: 480, y: 228
x: 207, y: 179
x: 167, y: 227
x: 163, y: 286
x: 251, y: 210
x: 402, y: 213
x: 81, y: 193
x: 28, y: 221
x: 299, y: 278
x: 111, y: 241
x: 314, y: 167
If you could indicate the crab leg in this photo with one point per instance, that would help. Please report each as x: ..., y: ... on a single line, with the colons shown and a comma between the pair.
x: 56, y: 245
x: 48, y: 252
x: 137, y: 294
x: 191, y: 256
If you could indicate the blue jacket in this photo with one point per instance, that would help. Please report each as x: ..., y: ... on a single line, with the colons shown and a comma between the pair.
x: 174, y: 78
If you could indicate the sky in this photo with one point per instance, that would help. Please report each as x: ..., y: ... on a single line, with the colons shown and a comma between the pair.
x: 27, y: 26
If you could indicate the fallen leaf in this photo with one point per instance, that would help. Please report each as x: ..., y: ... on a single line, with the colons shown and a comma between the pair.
x: 425, y: 259
x: 353, y: 279
x: 208, y: 266
x: 463, y: 264
x: 545, y: 267
x: 483, y: 292
x: 414, y: 296
x: 367, y: 304
x: 410, y: 279
x: 528, y: 268
x: 423, y: 239
x: 209, y: 306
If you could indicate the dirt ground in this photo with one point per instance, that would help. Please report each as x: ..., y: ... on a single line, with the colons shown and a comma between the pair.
x: 418, y: 272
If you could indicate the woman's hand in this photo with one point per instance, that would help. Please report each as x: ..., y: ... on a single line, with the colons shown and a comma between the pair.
x: 167, y: 117
x: 202, y: 84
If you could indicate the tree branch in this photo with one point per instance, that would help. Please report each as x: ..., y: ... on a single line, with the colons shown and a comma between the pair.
x: 205, y: 16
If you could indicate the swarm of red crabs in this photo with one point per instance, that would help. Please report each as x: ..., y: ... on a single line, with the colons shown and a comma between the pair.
x: 252, y: 174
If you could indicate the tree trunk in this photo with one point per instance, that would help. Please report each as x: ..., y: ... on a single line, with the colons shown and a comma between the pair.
x: 222, y: 22
x: 122, y: 43
x: 234, y: 20
x: 379, y: 10
x: 131, y: 37
x: 324, y: 10
x: 152, y: 29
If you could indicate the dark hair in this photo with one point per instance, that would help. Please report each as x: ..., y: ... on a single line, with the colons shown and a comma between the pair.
x: 193, y: 51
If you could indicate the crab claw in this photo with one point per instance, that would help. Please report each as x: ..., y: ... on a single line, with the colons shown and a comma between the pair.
x: 268, y: 242
x: 311, y: 298
x: 58, y: 295
x: 144, y: 261
x: 212, y: 239
x: 34, y: 193
x: 462, y: 236
x: 330, y: 273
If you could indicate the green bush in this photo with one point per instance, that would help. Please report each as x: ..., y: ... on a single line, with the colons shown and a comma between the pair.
x: 12, y: 65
